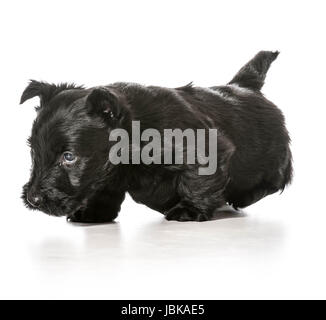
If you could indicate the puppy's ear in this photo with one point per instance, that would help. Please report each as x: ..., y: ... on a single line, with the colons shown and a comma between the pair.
x: 105, y: 103
x: 45, y: 91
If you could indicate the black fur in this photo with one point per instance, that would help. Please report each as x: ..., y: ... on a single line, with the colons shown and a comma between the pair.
x: 253, y: 148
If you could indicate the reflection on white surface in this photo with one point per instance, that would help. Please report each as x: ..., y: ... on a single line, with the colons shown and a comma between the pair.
x: 143, y: 256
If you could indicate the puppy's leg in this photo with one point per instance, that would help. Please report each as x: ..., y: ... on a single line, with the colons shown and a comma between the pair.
x: 271, y: 183
x: 199, y: 197
x: 103, y: 207
x: 252, y: 196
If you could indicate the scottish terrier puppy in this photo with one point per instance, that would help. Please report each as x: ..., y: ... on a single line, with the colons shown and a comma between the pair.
x: 73, y: 176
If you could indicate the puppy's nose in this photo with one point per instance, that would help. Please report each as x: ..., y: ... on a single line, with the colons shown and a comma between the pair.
x: 34, y: 200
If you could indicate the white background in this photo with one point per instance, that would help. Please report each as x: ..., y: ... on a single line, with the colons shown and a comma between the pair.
x: 274, y: 249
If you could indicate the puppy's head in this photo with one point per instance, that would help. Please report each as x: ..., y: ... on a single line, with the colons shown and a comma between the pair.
x: 69, y: 145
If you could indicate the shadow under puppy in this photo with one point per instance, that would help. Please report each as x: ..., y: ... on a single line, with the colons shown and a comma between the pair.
x: 71, y: 174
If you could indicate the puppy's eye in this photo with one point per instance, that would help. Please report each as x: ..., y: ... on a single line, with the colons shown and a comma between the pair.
x: 69, y: 157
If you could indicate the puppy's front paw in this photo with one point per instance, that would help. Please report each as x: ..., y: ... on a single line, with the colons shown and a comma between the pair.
x: 76, y: 217
x: 186, y: 214
x: 83, y: 217
x: 89, y: 215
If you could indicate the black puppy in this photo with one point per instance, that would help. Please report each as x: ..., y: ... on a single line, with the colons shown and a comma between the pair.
x: 72, y: 176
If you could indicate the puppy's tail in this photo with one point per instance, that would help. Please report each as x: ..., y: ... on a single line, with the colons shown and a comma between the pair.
x: 252, y: 75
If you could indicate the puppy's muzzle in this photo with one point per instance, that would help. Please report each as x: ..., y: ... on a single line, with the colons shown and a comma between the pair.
x: 34, y: 199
